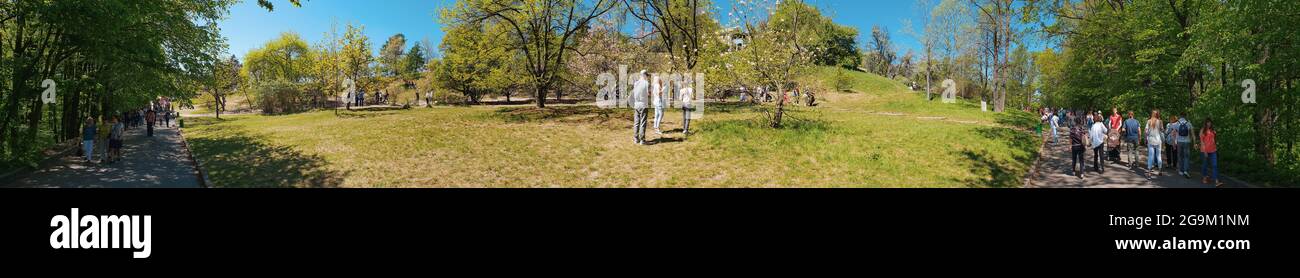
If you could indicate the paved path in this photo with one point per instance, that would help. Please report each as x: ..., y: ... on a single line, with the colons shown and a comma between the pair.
x: 158, y: 161
x: 1053, y: 170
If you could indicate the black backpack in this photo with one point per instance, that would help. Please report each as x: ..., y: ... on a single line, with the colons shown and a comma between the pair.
x: 1183, y: 130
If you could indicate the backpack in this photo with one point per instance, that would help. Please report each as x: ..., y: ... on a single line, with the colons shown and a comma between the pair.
x: 1183, y: 130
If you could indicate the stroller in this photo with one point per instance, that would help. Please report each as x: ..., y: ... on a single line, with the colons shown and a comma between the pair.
x: 1113, y: 145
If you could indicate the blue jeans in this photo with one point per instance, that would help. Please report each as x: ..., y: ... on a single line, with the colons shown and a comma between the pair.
x: 88, y: 147
x: 1184, y: 151
x: 659, y: 116
x: 1054, y: 135
x: 1211, y: 161
x: 1153, y: 156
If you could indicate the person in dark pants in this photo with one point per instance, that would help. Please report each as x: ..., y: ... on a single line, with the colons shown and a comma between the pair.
x: 1097, y: 135
x: 688, y: 106
x: 1078, y: 135
x: 639, y: 98
x: 150, y: 117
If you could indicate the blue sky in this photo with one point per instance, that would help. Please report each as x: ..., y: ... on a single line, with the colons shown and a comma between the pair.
x: 249, y: 26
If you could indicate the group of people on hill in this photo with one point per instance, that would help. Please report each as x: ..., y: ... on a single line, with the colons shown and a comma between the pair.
x: 653, y: 91
x: 113, y: 128
x: 1167, y: 144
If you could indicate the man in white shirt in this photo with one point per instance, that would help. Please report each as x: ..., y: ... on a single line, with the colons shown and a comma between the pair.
x: 658, y: 101
x: 1097, y: 135
x: 639, y: 91
x: 687, y: 107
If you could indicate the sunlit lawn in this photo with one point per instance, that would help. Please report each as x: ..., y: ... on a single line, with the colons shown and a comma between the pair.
x: 855, y: 139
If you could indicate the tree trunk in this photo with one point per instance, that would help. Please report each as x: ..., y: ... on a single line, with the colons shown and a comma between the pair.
x: 540, y: 95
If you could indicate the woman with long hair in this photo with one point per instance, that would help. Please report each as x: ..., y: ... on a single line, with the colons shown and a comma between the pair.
x: 1209, y: 151
x: 1155, y: 136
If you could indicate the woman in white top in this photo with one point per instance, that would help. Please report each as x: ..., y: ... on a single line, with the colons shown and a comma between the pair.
x: 687, y: 95
x: 1155, y: 135
x: 656, y: 99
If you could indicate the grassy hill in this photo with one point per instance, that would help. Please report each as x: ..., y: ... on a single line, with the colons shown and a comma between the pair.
x: 882, y: 135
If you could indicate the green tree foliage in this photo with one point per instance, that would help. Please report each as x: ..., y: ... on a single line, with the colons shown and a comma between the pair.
x: 474, y: 61
x: 1188, y: 57
x: 392, y: 54
x: 543, y: 31
x: 276, y: 69
x: 104, y: 56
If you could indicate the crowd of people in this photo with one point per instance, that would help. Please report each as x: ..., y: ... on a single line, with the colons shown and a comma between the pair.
x: 1168, y: 145
x: 111, y: 129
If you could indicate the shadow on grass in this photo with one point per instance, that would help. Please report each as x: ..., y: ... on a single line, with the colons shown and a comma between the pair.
x: 661, y: 140
x: 358, y: 114
x: 580, y: 114
x: 730, y: 107
x: 984, y: 165
x: 243, y: 161
x: 1018, y: 119
x: 1008, y: 171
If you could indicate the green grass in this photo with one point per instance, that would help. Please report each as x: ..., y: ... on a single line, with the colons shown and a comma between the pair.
x: 880, y: 136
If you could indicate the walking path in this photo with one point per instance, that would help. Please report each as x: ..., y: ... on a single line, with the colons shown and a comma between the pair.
x: 158, y: 161
x: 1053, y: 170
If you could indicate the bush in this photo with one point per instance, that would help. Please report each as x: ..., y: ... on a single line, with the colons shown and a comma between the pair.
x: 280, y: 97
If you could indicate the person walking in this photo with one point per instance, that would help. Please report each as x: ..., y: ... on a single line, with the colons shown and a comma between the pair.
x: 1098, y: 133
x: 1171, y: 147
x: 638, y: 107
x: 1078, y: 137
x: 688, y: 106
x: 115, y: 141
x: 167, y: 117
x: 1132, y: 136
x: 1056, y: 124
x: 656, y: 96
x: 150, y: 117
x: 1184, y: 141
x: 1113, y: 139
x: 88, y: 138
x: 1155, y: 135
x: 1209, y: 153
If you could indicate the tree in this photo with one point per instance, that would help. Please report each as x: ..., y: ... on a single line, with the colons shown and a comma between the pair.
x: 101, y: 60
x: 775, y: 51
x: 355, y: 56
x: 414, y: 62
x: 474, y: 61
x: 684, y: 27
x: 391, y: 55
x: 222, y: 80
x: 883, y: 48
x: 544, y: 30
x: 271, y: 6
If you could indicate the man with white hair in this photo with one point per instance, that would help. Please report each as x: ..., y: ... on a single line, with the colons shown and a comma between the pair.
x: 639, y: 95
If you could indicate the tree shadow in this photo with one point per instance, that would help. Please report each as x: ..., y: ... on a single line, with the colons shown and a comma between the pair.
x: 361, y: 114
x: 1008, y: 172
x: 243, y: 161
x: 1017, y: 119
x: 573, y: 114
x: 983, y: 165
x: 549, y: 101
